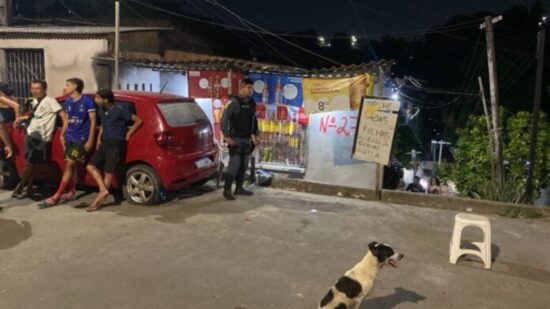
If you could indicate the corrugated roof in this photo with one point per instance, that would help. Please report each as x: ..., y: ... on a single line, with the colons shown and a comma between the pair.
x: 251, y: 66
x: 79, y: 30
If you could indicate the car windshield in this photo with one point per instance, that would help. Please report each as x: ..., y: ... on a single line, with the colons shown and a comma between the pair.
x: 179, y: 114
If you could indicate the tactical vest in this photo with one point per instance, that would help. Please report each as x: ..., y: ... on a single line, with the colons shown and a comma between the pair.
x: 242, y: 122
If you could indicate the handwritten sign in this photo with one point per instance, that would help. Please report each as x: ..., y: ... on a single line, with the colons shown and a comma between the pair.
x: 343, y: 125
x: 375, y: 130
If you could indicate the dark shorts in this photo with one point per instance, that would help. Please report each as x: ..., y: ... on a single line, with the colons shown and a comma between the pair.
x: 36, y: 150
x: 109, y: 155
x: 74, y: 151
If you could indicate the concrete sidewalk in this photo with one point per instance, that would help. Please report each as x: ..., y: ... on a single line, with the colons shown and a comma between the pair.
x: 278, y: 249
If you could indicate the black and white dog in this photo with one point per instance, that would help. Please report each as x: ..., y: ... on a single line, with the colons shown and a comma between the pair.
x: 351, y: 288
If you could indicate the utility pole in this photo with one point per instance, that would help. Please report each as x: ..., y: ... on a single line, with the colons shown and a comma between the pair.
x: 441, y: 143
x: 6, y: 12
x: 488, y: 26
x: 414, y: 161
x: 489, y: 130
x: 117, y: 44
x: 536, y: 111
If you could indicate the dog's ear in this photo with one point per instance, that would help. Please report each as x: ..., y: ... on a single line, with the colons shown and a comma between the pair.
x: 373, y: 247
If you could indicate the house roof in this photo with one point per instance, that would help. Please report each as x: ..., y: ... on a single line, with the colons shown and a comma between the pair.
x: 79, y: 30
x: 193, y: 61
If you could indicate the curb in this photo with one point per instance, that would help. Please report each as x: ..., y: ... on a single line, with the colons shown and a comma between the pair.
x: 324, y: 189
x: 414, y: 199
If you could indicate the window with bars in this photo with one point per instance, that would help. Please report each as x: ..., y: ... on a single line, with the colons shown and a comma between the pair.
x: 22, y: 66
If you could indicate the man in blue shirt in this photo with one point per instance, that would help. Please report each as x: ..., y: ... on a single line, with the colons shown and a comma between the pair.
x: 111, y: 143
x: 77, y: 138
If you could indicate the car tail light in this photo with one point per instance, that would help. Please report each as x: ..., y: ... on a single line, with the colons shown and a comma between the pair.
x: 205, y: 129
x: 210, y: 134
x: 165, y: 140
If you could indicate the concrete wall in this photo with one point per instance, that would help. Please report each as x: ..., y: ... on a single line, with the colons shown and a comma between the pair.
x: 176, y: 83
x: 329, y: 152
x: 169, y: 82
x: 64, y: 59
x: 130, y: 76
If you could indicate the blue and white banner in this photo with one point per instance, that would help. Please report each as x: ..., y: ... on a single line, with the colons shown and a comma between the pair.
x: 277, y: 89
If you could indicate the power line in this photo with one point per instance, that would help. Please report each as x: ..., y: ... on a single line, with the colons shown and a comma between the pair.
x: 72, y: 12
x: 236, y: 33
x: 52, y: 20
x: 467, y: 73
x: 172, y: 37
x: 371, y: 48
x: 236, y: 28
x: 423, y: 30
x: 244, y: 22
x: 275, y: 35
x: 441, y: 91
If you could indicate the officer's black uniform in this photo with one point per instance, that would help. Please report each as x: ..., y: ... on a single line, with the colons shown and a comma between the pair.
x: 239, y: 122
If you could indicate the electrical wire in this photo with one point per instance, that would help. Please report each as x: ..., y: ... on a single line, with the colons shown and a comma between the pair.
x: 245, y: 23
x: 441, y: 91
x: 275, y: 35
x: 423, y: 30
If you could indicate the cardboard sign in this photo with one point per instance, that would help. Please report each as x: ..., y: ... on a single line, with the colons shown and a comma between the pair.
x: 375, y: 130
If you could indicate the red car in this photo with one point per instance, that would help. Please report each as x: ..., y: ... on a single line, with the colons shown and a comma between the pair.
x: 173, y: 149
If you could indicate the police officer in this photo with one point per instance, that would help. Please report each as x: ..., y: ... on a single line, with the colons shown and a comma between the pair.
x: 239, y: 126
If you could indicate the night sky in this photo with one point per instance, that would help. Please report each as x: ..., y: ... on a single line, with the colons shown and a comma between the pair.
x: 324, y: 16
x: 330, y: 16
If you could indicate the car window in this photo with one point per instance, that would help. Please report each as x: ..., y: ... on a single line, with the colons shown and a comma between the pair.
x: 179, y: 114
x: 126, y: 105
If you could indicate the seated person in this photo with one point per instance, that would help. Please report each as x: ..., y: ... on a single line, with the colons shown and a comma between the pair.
x: 415, y: 186
x: 435, y: 186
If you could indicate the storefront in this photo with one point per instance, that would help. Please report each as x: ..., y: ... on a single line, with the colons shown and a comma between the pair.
x: 286, y: 98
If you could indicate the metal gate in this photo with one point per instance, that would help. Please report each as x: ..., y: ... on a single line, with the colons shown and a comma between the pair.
x: 22, y: 66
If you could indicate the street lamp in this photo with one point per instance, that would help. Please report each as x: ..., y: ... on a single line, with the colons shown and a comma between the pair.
x: 353, y: 41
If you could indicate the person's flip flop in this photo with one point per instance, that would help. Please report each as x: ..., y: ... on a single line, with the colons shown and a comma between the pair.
x: 94, y: 208
x: 47, y: 203
x: 67, y: 197
x: 81, y: 205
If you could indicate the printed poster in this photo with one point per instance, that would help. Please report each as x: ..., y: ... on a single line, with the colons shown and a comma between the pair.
x: 213, y: 84
x: 331, y: 94
x: 277, y: 89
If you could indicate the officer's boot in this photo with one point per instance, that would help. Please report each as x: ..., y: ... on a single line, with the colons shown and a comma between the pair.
x: 228, y: 182
x: 241, y: 190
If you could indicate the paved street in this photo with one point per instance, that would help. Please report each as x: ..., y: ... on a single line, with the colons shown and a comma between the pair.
x: 278, y: 249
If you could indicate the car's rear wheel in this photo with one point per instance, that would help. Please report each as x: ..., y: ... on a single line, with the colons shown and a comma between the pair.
x: 8, y: 175
x: 142, y: 186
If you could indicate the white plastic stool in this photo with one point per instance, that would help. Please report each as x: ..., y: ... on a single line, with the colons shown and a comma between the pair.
x: 463, y: 220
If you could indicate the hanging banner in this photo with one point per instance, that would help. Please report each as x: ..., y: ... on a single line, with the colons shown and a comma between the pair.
x: 361, y: 85
x: 277, y: 89
x: 218, y: 105
x: 213, y: 84
x: 292, y: 91
x: 326, y: 95
x: 375, y: 130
